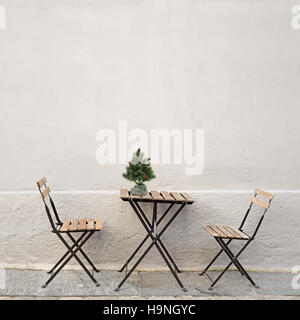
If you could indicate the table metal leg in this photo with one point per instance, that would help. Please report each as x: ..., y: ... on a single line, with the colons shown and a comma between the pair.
x: 146, y: 238
x: 154, y: 221
x: 154, y: 242
x: 158, y: 240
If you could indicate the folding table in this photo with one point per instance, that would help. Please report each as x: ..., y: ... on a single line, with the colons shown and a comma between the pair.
x: 178, y: 199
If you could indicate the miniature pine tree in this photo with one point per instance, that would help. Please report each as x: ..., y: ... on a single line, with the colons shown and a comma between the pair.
x: 139, y: 169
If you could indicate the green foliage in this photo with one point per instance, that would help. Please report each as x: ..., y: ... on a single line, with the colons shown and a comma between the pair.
x: 139, y: 169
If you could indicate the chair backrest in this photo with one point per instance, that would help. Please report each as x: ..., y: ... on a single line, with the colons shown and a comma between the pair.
x: 263, y: 203
x: 45, y: 193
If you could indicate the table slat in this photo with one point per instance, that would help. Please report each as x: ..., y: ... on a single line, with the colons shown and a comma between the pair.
x: 167, y: 196
x: 187, y: 197
x: 156, y: 195
x: 177, y: 196
x: 147, y: 196
x: 134, y: 196
x: 163, y: 196
x: 124, y: 194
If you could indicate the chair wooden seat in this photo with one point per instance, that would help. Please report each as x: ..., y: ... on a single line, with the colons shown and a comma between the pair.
x: 79, y: 225
x: 225, y: 232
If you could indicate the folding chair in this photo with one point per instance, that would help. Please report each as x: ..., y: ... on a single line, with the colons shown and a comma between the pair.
x: 85, y: 227
x: 226, y: 232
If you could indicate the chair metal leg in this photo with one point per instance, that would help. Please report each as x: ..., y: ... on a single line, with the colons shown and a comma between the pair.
x: 233, y: 260
x: 236, y: 262
x: 66, y: 254
x: 213, y: 260
x: 72, y: 254
x: 84, y: 254
x: 230, y: 256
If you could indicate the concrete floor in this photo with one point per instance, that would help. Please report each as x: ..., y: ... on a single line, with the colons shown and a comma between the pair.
x: 26, y: 284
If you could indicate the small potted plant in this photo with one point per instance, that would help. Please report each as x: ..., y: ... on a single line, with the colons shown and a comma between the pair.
x: 139, y: 170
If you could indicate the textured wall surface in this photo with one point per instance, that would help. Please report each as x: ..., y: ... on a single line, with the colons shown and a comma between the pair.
x: 26, y: 240
x: 69, y: 68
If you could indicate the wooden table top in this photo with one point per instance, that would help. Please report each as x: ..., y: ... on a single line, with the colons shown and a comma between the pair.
x: 158, y: 196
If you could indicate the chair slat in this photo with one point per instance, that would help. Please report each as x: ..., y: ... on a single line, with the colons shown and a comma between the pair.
x: 65, y: 226
x: 166, y: 195
x: 264, y: 193
x: 41, y: 182
x: 233, y: 232
x: 177, y: 196
x: 98, y: 224
x: 124, y: 194
x: 260, y: 202
x: 211, y: 231
x: 91, y: 224
x: 45, y: 192
x: 219, y: 231
x: 238, y: 232
x: 156, y: 195
x: 227, y: 232
x: 187, y: 197
x: 73, y: 226
x: 82, y: 225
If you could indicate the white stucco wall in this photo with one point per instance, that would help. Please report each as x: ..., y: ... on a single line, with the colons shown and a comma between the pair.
x: 69, y: 68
